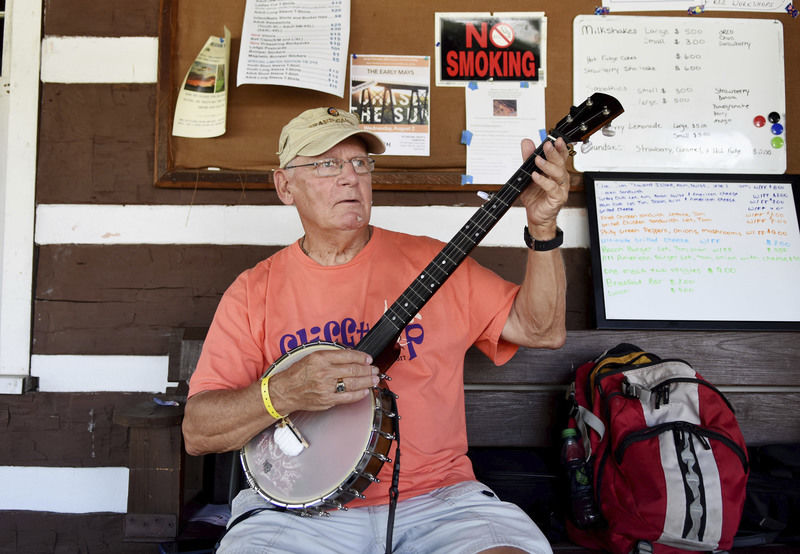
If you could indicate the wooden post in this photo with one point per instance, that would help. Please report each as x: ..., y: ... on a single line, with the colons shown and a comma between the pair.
x: 156, y: 461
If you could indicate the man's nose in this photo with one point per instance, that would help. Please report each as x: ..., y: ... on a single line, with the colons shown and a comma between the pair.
x: 348, y: 174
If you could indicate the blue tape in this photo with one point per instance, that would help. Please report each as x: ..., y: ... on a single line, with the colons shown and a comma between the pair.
x: 466, y: 179
x: 473, y: 85
x: 466, y: 137
x: 542, y: 135
x: 523, y: 84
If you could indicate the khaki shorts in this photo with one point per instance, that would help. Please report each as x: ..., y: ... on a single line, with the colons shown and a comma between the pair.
x: 462, y: 518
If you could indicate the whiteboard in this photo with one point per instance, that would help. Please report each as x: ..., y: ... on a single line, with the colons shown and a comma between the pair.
x: 691, y: 89
x: 698, y: 251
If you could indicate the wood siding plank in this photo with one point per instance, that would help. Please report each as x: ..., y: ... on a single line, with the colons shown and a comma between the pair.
x: 532, y: 418
x: 39, y: 532
x: 111, y: 18
x: 65, y: 429
x: 746, y: 358
x: 127, y: 299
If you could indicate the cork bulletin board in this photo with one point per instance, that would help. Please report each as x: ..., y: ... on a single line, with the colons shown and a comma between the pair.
x: 245, y: 154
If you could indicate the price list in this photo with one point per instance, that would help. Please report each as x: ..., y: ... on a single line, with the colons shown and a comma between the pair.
x: 718, y: 250
x: 299, y: 43
x: 691, y: 89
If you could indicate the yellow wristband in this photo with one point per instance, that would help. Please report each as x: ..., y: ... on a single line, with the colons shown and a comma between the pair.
x: 265, y: 396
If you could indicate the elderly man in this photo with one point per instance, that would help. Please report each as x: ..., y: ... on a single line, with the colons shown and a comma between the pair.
x: 331, y: 285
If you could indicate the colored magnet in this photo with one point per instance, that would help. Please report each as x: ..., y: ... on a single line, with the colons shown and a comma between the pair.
x: 777, y: 142
x: 759, y: 121
x: 774, y: 117
x: 776, y: 129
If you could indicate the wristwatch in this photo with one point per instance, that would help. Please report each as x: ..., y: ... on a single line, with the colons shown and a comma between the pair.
x: 543, y: 245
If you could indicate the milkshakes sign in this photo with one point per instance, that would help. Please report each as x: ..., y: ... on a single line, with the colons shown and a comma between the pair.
x: 489, y: 47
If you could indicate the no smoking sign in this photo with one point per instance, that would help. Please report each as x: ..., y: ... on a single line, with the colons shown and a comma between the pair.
x: 489, y: 47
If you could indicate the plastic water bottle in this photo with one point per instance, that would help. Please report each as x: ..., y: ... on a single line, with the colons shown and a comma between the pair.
x: 583, y: 510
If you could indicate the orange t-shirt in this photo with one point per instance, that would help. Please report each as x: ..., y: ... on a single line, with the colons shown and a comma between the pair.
x: 288, y: 300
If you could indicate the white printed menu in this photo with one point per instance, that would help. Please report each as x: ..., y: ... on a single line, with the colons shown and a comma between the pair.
x: 295, y: 43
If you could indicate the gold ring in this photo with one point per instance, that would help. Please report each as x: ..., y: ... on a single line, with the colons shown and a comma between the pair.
x: 340, y: 385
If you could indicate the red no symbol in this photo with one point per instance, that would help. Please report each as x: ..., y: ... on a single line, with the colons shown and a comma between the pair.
x: 501, y: 35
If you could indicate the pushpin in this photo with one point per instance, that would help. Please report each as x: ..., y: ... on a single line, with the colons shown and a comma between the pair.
x: 759, y: 121
x: 776, y: 129
x: 777, y: 142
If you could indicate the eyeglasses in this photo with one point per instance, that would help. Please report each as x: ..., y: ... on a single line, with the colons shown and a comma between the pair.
x: 333, y: 166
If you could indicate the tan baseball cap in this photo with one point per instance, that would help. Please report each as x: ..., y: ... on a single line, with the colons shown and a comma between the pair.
x: 319, y: 129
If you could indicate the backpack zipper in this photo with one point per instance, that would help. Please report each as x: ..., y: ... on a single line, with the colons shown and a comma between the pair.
x: 661, y: 390
x: 701, y: 433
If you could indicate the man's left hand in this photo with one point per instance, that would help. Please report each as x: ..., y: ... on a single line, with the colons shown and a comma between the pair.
x: 545, y: 197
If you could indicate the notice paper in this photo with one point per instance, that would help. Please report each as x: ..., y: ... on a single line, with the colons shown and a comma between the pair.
x: 390, y: 95
x: 295, y: 43
x: 682, y: 250
x: 499, y: 116
x: 687, y: 107
x: 696, y: 7
x: 200, y: 110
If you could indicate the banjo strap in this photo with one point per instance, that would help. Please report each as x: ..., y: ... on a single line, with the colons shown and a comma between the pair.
x: 393, y: 490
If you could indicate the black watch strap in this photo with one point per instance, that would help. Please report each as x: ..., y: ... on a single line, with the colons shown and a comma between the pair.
x: 543, y: 245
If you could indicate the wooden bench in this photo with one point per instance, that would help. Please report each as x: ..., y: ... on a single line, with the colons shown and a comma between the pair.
x: 516, y: 406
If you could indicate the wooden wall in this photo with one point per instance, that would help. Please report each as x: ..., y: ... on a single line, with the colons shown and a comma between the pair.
x: 96, y: 147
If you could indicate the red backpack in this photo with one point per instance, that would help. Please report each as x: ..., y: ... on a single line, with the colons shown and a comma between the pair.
x: 668, y: 458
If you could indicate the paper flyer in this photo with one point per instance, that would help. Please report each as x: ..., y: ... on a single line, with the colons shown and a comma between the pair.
x: 772, y: 6
x: 499, y: 116
x: 295, y: 43
x: 490, y: 47
x: 391, y: 97
x: 200, y: 110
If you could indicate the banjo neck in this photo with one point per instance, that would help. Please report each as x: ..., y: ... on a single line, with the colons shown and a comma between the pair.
x: 580, y: 123
x: 391, y: 324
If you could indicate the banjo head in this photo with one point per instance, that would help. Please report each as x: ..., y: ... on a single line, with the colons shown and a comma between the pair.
x: 337, y: 441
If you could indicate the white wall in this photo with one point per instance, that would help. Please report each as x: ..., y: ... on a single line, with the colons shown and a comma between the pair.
x: 18, y: 121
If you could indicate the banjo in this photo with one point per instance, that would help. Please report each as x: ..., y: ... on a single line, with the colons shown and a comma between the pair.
x: 313, y: 461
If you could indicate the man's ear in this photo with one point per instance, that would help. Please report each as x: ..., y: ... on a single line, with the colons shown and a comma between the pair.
x: 281, y: 180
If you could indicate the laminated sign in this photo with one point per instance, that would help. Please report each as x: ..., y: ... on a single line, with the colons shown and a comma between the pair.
x: 490, y: 47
